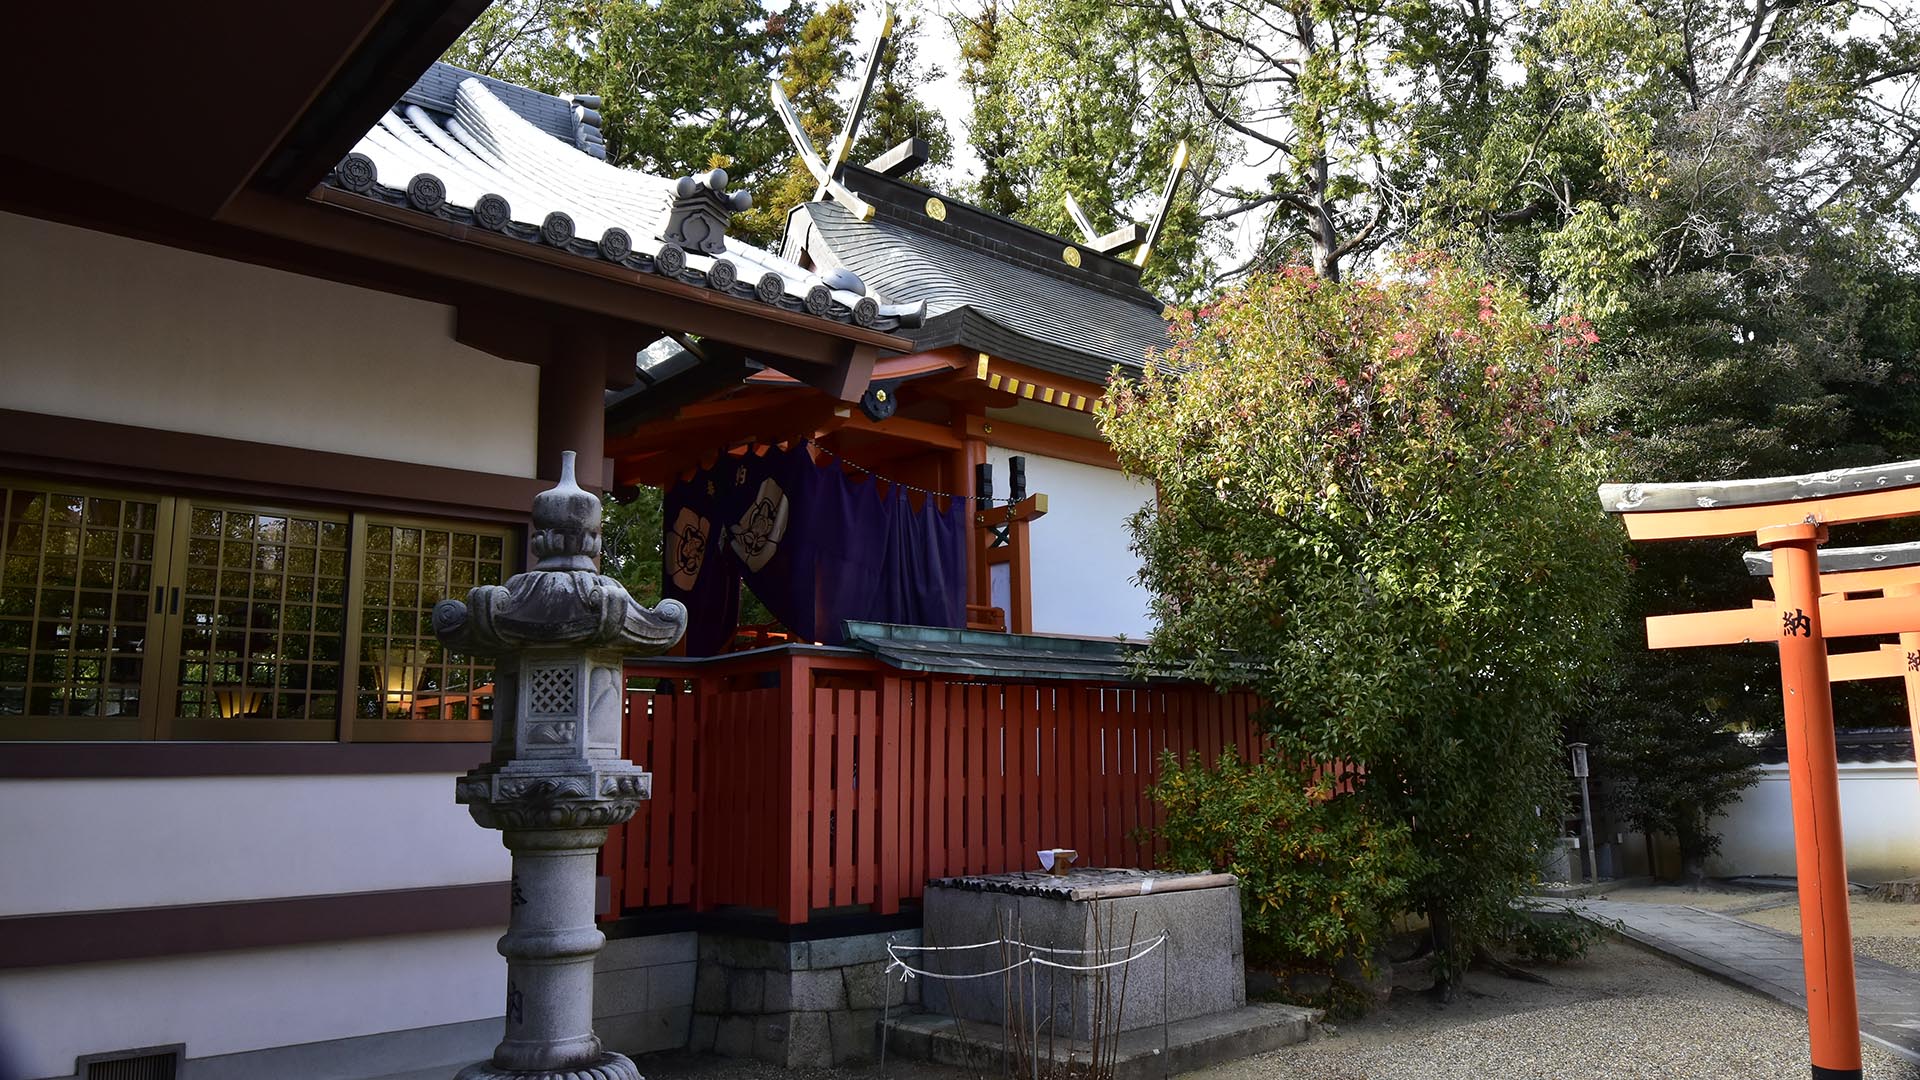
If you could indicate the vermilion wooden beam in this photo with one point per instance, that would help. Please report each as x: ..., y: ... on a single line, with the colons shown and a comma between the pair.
x: 1761, y: 622
x: 1885, y: 662
x: 1031, y: 508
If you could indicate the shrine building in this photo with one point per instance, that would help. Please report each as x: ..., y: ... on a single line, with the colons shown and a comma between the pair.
x: 270, y: 396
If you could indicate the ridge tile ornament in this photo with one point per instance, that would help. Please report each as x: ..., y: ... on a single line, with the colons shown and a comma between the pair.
x: 560, y: 633
x: 700, y: 213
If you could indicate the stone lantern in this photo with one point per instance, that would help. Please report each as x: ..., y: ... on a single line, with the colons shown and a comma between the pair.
x: 556, y: 781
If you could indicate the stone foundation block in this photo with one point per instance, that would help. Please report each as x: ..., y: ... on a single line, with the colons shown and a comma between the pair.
x: 710, y: 989
x: 817, y: 991
x: 805, y: 1040
x: 746, y: 991
x: 670, y: 985
x: 870, y: 987
x: 735, y: 1037
x: 619, y: 954
x: 701, y: 1033
x: 647, y: 1031
x: 855, y: 1035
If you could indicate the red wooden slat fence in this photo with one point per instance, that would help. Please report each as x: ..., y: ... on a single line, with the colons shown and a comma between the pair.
x: 793, y: 782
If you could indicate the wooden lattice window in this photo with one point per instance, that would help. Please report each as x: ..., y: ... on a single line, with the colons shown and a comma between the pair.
x: 126, y: 616
x: 262, y: 622
x: 408, y: 687
x: 77, y: 579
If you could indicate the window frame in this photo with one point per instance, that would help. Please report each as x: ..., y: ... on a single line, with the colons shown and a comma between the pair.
x: 159, y: 720
x: 385, y: 730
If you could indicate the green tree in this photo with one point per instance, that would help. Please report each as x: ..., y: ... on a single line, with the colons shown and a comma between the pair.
x: 1375, y: 510
x: 810, y: 76
x: 683, y: 83
x: 631, y: 535
x: 1725, y: 187
x: 1078, y: 97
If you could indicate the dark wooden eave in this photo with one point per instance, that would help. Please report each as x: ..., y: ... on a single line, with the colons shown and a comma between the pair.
x: 185, y: 105
x: 830, y: 354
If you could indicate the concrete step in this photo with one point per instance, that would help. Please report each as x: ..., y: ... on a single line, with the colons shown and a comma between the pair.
x: 1143, y: 1054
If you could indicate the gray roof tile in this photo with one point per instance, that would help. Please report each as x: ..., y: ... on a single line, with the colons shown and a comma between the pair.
x: 506, y: 159
x: 988, y: 293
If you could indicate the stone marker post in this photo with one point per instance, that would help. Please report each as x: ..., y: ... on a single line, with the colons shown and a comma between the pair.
x: 556, y: 780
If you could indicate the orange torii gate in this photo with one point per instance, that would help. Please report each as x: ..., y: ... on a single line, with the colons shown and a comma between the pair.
x: 1788, y: 516
x: 1891, y: 570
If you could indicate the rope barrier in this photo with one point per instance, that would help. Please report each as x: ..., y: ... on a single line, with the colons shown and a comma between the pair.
x: 907, y: 971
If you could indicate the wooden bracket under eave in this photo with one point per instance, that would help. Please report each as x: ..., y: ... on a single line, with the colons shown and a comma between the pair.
x: 845, y: 379
x: 523, y: 337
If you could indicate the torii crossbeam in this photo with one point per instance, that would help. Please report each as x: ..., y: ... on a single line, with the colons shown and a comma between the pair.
x: 1789, y: 516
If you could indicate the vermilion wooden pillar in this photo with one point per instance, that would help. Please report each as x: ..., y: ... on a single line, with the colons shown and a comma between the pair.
x: 1833, y: 1014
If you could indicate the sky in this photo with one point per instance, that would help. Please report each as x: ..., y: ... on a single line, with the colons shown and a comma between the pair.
x: 946, y: 96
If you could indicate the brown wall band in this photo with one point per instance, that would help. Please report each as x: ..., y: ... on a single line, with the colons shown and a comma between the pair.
x: 111, y: 760
x: 121, y: 454
x: 89, y: 937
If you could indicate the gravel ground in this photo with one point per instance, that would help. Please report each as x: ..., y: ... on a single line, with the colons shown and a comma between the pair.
x: 1621, y: 1013
x: 1889, y: 933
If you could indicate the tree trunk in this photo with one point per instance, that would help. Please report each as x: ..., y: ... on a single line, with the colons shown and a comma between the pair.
x: 1326, y: 235
x: 1445, y: 967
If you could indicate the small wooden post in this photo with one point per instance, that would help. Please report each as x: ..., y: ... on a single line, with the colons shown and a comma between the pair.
x: 1833, y: 1014
x: 1910, y: 660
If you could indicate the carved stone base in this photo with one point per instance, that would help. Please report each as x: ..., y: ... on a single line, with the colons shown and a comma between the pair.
x: 610, y: 1066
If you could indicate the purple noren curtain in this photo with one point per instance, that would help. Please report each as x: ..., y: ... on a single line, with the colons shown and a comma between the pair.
x: 817, y: 546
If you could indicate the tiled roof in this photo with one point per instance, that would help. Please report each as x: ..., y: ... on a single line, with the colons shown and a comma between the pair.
x: 989, y: 283
x: 1851, y: 745
x: 517, y: 162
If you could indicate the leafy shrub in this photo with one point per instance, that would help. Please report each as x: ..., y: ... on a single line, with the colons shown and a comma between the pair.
x: 1549, y: 937
x: 1319, y: 878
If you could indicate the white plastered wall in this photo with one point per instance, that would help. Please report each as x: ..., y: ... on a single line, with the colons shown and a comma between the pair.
x: 105, y: 844
x: 1879, y: 820
x: 100, y: 327
x: 1083, y: 565
x: 232, y: 1002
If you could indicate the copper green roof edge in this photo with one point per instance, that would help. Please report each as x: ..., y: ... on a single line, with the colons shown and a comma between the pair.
x: 989, y: 654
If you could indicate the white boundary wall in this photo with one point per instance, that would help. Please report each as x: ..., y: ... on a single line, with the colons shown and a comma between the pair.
x: 100, y: 327
x: 230, y: 1002
x: 89, y: 845
x: 99, y: 844
x: 1083, y: 567
x: 1879, y: 818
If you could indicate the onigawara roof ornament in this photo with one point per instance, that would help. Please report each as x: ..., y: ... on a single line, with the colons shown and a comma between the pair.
x: 700, y: 212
